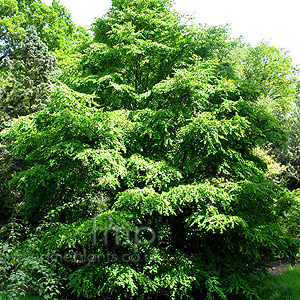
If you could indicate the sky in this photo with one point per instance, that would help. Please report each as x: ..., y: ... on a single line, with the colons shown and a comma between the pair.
x: 275, y: 21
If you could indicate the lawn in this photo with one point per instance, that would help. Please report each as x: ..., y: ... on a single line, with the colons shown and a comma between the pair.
x: 285, y: 286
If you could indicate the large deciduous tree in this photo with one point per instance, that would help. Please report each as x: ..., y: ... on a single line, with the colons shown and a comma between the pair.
x: 53, y: 24
x: 271, y: 74
x: 152, y: 135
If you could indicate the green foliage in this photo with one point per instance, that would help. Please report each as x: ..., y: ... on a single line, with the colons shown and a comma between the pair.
x: 26, y: 86
x: 141, y: 170
x: 25, y: 90
x: 208, y: 143
x: 213, y: 41
x: 70, y: 145
x: 53, y: 24
x: 288, y: 154
x: 7, y: 167
x: 22, y: 267
x: 136, y: 49
x: 290, y: 219
x: 11, y: 18
x: 274, y: 168
x: 269, y: 71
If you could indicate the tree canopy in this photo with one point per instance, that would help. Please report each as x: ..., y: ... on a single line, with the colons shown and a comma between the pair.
x: 25, y: 90
x: 271, y: 73
x: 53, y: 24
x: 145, y: 174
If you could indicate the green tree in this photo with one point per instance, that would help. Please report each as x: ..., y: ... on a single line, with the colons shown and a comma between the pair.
x: 52, y: 23
x: 10, y: 29
x: 271, y: 74
x: 288, y: 154
x: 152, y: 135
x: 25, y: 90
x: 26, y: 86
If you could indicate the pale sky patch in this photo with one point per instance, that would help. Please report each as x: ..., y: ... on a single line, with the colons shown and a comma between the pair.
x: 272, y: 20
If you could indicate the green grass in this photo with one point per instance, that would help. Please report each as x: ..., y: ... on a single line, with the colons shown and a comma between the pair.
x: 285, y: 286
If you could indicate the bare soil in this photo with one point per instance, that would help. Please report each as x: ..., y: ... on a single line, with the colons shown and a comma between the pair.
x: 276, y: 267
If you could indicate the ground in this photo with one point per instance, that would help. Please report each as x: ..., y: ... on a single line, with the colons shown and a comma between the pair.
x: 276, y: 267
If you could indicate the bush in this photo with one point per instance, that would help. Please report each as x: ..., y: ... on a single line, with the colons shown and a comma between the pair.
x: 22, y: 268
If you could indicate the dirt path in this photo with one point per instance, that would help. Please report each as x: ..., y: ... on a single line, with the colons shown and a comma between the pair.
x: 276, y: 267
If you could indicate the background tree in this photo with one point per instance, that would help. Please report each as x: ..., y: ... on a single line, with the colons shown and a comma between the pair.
x: 25, y: 89
x: 288, y: 154
x: 26, y: 67
x: 270, y: 73
x: 52, y: 23
x: 10, y: 28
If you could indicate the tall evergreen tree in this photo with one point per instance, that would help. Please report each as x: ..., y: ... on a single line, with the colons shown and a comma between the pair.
x: 26, y: 86
x: 25, y: 90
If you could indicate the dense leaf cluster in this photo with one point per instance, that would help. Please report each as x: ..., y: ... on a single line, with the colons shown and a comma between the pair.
x: 146, y: 174
x: 53, y: 24
x: 25, y: 88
